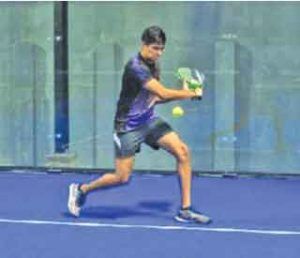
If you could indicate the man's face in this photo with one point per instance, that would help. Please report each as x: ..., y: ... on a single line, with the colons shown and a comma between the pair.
x: 153, y: 51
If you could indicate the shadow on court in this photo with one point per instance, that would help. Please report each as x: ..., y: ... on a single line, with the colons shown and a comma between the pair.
x: 142, y: 209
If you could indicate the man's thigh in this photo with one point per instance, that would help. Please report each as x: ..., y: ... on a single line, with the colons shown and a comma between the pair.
x: 171, y: 142
x: 124, y: 166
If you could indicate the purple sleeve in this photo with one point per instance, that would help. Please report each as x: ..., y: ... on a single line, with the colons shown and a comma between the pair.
x: 142, y: 74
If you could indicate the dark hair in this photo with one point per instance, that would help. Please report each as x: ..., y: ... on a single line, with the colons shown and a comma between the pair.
x: 154, y: 35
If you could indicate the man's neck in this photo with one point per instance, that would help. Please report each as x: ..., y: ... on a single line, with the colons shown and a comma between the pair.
x: 143, y: 54
x: 144, y: 57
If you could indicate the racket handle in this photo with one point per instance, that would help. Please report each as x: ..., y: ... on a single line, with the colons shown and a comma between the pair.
x: 196, y: 98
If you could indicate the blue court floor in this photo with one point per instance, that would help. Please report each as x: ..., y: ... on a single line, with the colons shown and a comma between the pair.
x: 252, y: 218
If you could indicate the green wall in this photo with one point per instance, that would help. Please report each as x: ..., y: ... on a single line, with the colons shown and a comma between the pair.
x: 26, y: 75
x: 247, y: 121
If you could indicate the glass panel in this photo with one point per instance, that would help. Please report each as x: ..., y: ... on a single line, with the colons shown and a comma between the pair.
x: 26, y: 89
x: 248, y: 119
x: 246, y: 122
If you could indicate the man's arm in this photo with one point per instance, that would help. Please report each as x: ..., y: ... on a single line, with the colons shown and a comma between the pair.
x: 165, y: 94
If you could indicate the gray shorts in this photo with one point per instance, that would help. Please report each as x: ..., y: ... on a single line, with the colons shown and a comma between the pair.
x: 129, y: 143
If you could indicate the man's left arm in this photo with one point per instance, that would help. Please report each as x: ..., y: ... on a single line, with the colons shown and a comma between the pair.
x: 158, y: 100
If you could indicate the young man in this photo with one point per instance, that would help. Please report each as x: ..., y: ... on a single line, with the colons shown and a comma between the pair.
x: 136, y: 123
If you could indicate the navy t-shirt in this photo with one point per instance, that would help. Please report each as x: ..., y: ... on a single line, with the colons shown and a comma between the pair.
x: 135, y: 105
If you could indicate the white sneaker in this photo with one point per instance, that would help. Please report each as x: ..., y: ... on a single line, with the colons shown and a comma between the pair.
x: 190, y: 215
x: 74, y: 209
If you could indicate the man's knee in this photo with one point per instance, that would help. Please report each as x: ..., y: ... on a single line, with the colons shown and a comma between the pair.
x: 183, y: 153
x: 123, y: 169
x: 123, y: 178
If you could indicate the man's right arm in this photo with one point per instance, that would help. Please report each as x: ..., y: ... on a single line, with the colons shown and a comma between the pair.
x: 166, y: 94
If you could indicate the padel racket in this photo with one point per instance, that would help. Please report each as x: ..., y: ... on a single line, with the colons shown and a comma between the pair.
x: 194, y: 78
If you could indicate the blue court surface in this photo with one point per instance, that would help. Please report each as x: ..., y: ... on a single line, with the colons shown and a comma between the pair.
x: 252, y: 218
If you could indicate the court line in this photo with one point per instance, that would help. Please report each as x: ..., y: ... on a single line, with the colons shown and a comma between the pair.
x: 151, y: 227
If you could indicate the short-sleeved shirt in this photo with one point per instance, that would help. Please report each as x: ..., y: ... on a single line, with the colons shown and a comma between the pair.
x: 135, y: 105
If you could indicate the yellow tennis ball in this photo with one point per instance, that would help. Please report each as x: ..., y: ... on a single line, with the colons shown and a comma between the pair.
x: 177, y: 111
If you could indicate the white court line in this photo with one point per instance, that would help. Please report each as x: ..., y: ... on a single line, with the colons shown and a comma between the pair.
x: 151, y: 227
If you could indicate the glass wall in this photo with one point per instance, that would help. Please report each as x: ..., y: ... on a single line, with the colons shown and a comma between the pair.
x: 103, y: 36
x: 248, y: 119
x: 246, y: 122
x: 26, y: 76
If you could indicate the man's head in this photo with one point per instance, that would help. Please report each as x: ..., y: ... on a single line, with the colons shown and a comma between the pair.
x: 153, y: 42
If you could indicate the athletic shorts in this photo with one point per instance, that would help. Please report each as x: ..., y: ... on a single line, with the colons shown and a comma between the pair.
x: 129, y: 143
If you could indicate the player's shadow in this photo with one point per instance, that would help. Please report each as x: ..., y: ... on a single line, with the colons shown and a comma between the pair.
x: 142, y: 209
x: 160, y: 206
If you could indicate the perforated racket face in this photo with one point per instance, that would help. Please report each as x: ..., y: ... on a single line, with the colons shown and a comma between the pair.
x: 184, y: 73
x: 194, y: 78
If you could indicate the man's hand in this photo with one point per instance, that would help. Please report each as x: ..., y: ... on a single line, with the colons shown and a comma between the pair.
x: 198, y: 94
x: 198, y: 91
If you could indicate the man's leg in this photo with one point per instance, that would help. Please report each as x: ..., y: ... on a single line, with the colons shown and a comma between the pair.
x: 122, y: 174
x: 173, y: 144
x: 77, y: 194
